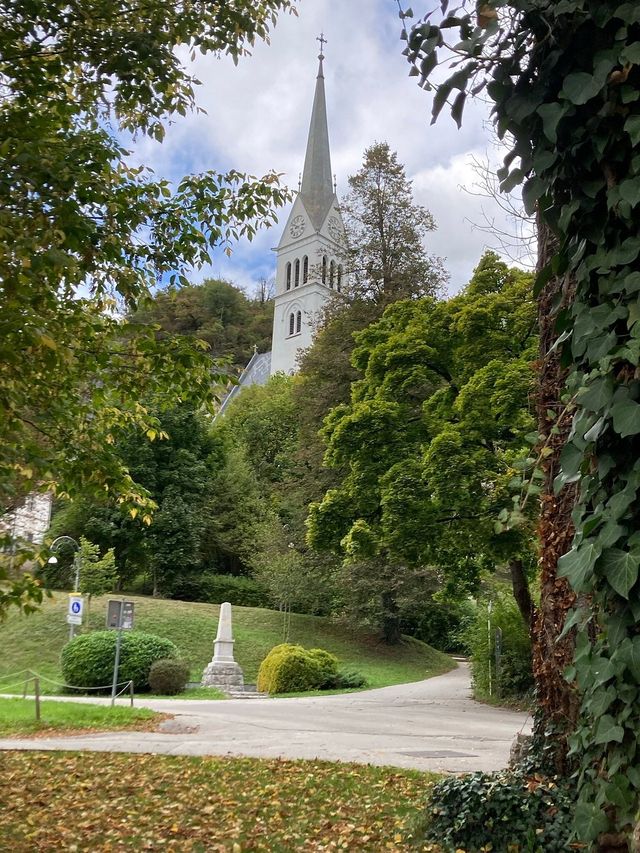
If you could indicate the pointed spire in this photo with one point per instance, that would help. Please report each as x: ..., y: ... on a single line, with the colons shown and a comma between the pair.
x: 316, y: 190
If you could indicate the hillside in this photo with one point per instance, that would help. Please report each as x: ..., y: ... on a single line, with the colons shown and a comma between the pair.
x: 34, y: 642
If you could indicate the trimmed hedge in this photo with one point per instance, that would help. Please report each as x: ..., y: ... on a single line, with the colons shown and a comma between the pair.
x: 168, y: 676
x: 291, y: 669
x: 87, y: 661
x: 216, y: 589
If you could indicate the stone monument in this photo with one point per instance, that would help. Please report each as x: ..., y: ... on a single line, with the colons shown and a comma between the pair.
x: 223, y: 672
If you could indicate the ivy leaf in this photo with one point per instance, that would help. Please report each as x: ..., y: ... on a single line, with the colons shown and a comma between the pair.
x: 589, y: 821
x: 551, y: 115
x: 600, y: 700
x: 598, y: 395
x: 626, y: 417
x: 632, y: 127
x: 629, y: 653
x: 580, y: 87
x: 620, y: 569
x: 607, y: 730
x: 577, y: 565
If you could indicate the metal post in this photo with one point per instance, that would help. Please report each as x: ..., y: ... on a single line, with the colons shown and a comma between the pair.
x: 489, y: 609
x: 131, y: 692
x: 36, y: 689
x: 76, y: 584
x: 114, y: 686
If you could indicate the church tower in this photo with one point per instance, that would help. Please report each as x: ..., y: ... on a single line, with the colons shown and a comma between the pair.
x: 311, y: 250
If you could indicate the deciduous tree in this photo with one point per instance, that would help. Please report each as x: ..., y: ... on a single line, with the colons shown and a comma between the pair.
x: 84, y: 233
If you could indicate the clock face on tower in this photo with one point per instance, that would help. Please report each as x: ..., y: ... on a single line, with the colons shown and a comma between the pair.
x: 334, y: 228
x: 297, y: 226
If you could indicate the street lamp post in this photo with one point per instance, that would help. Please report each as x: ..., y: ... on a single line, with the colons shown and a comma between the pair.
x: 60, y: 540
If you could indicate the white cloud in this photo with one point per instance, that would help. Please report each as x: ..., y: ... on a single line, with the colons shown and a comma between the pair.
x: 257, y: 118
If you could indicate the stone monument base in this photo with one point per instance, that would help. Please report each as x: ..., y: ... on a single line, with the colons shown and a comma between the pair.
x: 226, y: 676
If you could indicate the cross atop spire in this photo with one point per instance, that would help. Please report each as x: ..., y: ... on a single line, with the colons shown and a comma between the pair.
x: 322, y: 41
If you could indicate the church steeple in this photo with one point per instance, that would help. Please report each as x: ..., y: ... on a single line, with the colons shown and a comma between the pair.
x: 311, y: 250
x: 316, y: 190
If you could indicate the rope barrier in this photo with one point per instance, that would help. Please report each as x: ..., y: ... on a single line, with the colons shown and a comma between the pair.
x: 127, y: 684
x: 78, y: 687
x: 11, y: 674
x: 17, y: 684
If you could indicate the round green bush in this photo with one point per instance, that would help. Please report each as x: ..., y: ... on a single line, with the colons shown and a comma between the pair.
x: 87, y: 661
x: 291, y: 669
x: 168, y: 676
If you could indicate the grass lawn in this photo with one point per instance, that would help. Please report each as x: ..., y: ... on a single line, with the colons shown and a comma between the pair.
x: 34, y: 642
x: 17, y: 717
x: 104, y: 802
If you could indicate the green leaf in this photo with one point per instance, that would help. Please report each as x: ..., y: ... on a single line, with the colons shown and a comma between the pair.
x: 577, y: 565
x: 620, y: 569
x: 580, y: 87
x: 607, y: 730
x: 626, y: 417
x: 629, y: 653
x: 589, y: 821
x: 551, y: 114
x: 458, y: 107
x: 598, y: 394
x: 440, y: 99
x: 632, y: 127
x: 600, y: 700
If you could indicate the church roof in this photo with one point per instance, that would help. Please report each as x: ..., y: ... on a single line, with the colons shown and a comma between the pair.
x: 316, y: 190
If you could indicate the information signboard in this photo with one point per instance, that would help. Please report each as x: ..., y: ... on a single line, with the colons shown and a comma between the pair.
x: 75, y: 610
x: 120, y: 614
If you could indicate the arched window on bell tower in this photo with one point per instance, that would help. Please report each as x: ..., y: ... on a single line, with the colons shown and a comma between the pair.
x: 296, y: 275
x: 292, y: 323
x: 305, y: 269
x: 339, y: 277
x: 324, y: 269
x: 299, y: 322
x: 288, y: 275
x: 332, y: 273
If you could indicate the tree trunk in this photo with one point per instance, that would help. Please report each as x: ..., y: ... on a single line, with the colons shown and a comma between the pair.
x: 390, y: 619
x: 556, y: 700
x: 521, y: 592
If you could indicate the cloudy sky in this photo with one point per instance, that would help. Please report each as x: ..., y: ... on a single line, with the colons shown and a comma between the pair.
x: 257, y: 118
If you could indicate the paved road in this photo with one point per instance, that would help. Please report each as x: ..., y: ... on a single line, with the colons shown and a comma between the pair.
x: 426, y: 725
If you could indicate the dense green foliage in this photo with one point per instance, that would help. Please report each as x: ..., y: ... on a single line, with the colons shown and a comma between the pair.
x: 84, y: 233
x: 216, y: 312
x: 290, y: 668
x: 238, y: 590
x: 88, y: 660
x: 505, y: 811
x: 565, y: 82
x: 429, y: 443
x: 510, y: 676
x: 168, y: 676
x: 184, y: 471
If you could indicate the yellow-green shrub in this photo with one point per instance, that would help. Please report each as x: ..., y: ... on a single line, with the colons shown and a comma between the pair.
x: 291, y: 669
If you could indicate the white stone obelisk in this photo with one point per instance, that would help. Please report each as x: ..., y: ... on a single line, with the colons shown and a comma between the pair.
x: 223, y: 671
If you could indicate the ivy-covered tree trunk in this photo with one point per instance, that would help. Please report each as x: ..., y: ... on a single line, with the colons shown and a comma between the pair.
x: 557, y: 703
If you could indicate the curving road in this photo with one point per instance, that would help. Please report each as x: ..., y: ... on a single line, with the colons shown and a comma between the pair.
x: 425, y: 725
